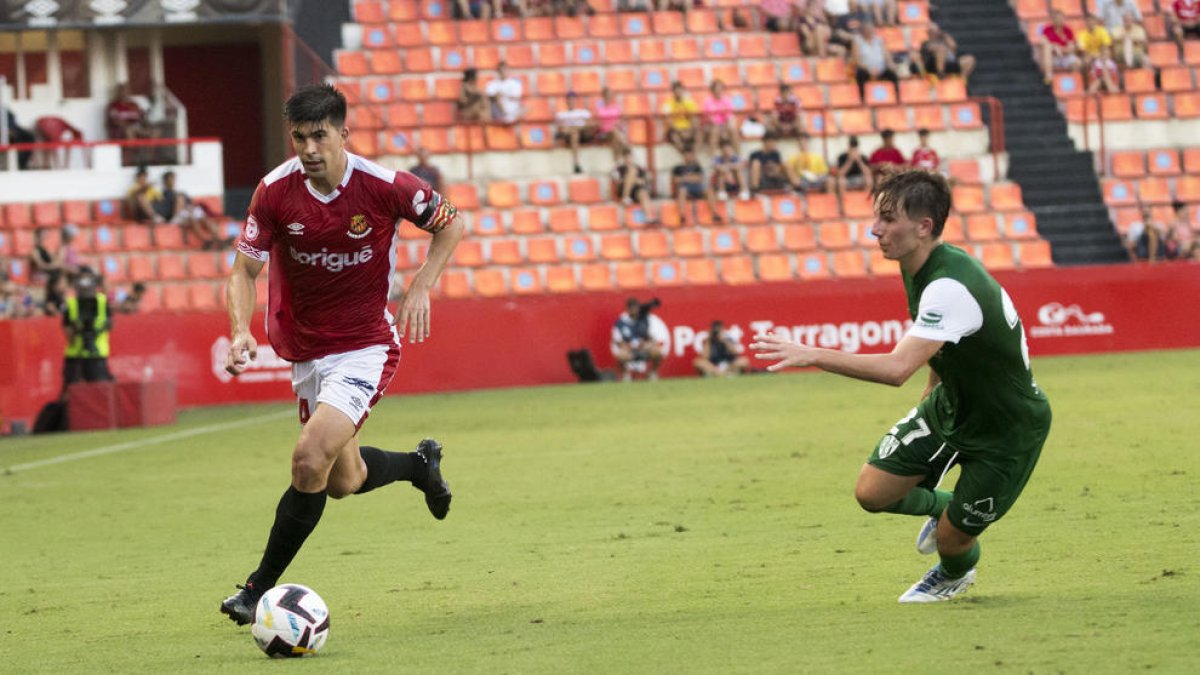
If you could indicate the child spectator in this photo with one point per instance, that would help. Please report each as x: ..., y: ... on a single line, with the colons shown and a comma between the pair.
x: 925, y: 157
x: 142, y: 197
x: 573, y: 125
x: 807, y: 170
x: 1104, y: 73
x: 718, y: 117
x: 631, y: 183
x: 767, y: 173
x: 785, y: 121
x: 681, y: 112
x: 1093, y: 39
x: 729, y: 173
x: 688, y: 184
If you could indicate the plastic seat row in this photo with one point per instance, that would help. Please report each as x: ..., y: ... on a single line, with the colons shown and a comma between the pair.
x: 1160, y: 162
x: 1124, y: 107
x: 1150, y: 190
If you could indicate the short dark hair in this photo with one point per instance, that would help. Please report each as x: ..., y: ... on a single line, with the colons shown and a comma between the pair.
x: 918, y: 193
x: 922, y: 132
x: 887, y: 133
x: 316, y: 103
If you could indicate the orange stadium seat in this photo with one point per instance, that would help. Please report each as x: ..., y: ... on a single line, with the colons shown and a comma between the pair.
x: 544, y: 193
x: 635, y: 24
x: 46, y: 214
x: 603, y: 25
x: 175, y: 297
x: 503, y: 194
x: 751, y: 46
x: 76, y: 211
x: 915, y: 90
x: 858, y: 204
x: 844, y: 96
x: 786, y: 208
x: 351, y: 62
x: 895, y: 118
x: 814, y: 265
x: 1005, y: 197
x: 561, y: 279
x: 654, y: 51
x: 666, y: 273
x: 507, y: 30
x: 762, y: 240
x: 1152, y: 107
x: 526, y: 282
x: 501, y: 137
x: 965, y: 171
x: 1020, y: 225
x: 619, y: 50
x: 527, y: 221
x: 537, y: 137
x: 1162, y: 54
x: 1154, y: 191
x: 136, y: 238
x: 799, y: 238
x: 540, y: 29
x: 932, y: 117
x: 551, y: 54
x: 880, y: 93
x: 881, y: 266
x: 1177, y: 79
x: 1068, y: 84
x: 965, y: 116
x: 667, y: 23
x: 725, y: 72
x: 997, y: 256
x: 983, y: 227
x: 1139, y: 81
x: 1119, y: 193
x: 520, y: 56
x: 631, y: 274
x: 564, y: 219
x: 616, y: 247
x: 404, y: 10
x: 1116, y: 107
x: 455, y: 284
x: 17, y: 216
x: 775, y: 267
x: 1034, y: 254
x: 465, y: 196
x: 368, y: 11
x: 105, y: 239
x: 823, y: 206
x: 141, y: 268
x: 738, y: 270
x: 681, y: 49
x: 1191, y: 53
x: 785, y: 45
x: 505, y: 252
x: 542, y: 250
x: 749, y: 212
x: 1163, y: 162
x: 700, y: 271
x: 1187, y: 189
x: 701, y: 21
x: 604, y: 217
x: 490, y: 283
x: 719, y: 48
x: 621, y: 79
x: 586, y: 82
x: 688, y: 242
x: 951, y: 90
x: 202, y: 296
x: 596, y: 277
x: 692, y: 77
x: 469, y: 253
x: 585, y: 53
x: 849, y: 263
x: 724, y: 241
x: 856, y: 120
x: 835, y: 234
x: 1187, y: 105
x: 167, y: 237
x: 1032, y: 10
x: 551, y: 83
x: 653, y: 244
x: 953, y: 231
x: 968, y: 199
x: 913, y: 12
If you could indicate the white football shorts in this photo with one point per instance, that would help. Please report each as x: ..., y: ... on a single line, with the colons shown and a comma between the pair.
x: 350, y: 381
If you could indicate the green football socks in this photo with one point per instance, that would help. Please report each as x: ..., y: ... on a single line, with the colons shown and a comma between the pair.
x: 955, y: 566
x: 922, y: 502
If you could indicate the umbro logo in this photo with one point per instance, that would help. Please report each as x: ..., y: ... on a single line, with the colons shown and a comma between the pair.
x: 296, y: 229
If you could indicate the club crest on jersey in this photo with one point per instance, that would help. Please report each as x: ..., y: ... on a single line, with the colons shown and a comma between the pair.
x: 251, y: 229
x: 359, y: 227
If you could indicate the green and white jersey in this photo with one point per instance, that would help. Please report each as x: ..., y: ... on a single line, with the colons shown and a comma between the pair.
x: 987, y: 402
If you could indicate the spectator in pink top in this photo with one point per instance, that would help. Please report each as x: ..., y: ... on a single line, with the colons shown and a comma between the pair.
x: 610, y: 127
x: 1058, y: 48
x: 718, y: 117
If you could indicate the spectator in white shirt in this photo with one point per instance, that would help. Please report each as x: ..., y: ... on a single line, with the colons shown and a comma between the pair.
x: 1113, y: 12
x: 505, y: 94
x: 573, y: 125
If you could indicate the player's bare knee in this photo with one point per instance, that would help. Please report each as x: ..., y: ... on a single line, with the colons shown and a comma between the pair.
x: 309, y: 469
x: 868, y: 499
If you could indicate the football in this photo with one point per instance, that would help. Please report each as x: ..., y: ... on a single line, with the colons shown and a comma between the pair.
x: 290, y: 621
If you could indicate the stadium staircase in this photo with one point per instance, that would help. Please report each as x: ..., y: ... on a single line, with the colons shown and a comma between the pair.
x: 1058, y: 182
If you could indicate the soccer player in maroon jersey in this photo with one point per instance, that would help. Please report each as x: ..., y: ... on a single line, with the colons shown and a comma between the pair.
x: 328, y: 221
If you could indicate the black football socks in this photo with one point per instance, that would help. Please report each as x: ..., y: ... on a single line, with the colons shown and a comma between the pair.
x: 384, y: 468
x: 295, y: 518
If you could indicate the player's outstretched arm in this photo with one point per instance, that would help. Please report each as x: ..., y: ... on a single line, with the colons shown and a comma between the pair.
x: 240, y: 298
x: 893, y: 368
x: 414, y: 306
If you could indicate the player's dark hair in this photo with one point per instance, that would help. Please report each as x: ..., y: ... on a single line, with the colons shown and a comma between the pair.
x: 917, y: 193
x: 316, y: 103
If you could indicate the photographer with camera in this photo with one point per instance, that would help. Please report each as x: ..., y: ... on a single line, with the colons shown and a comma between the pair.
x: 720, y: 355
x: 639, y: 339
x: 87, y: 321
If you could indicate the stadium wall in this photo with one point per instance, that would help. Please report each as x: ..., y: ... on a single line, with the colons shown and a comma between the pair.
x: 504, y: 342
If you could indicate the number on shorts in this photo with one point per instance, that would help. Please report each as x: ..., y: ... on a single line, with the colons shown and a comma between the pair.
x: 921, y: 431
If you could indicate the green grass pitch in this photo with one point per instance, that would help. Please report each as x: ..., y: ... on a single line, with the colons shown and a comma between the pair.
x: 685, y: 526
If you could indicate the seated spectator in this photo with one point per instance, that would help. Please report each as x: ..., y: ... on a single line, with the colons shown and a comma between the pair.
x: 1114, y: 12
x: 681, y: 112
x: 125, y: 120
x: 19, y: 134
x: 925, y: 157
x: 505, y: 93
x: 1178, y: 241
x: 1092, y: 40
x: 1183, y: 21
x: 1104, y: 73
x: 473, y: 9
x: 570, y: 8
x: 610, y: 123
x: 938, y: 56
x: 1131, y: 43
x: 719, y: 123
x: 472, y: 104
x: 887, y: 158
x: 1058, y: 48
x: 813, y: 28
x: 767, y: 173
x: 720, y: 355
x: 872, y: 60
x: 503, y: 8
x: 729, y: 177
x: 141, y: 198
x: 1142, y: 241
x: 634, y: 6
x: 573, y: 125
x: 426, y: 171
x: 688, y: 185
x: 883, y: 12
x: 52, y: 129
x: 44, y: 264
x: 15, y: 301
x: 784, y: 120
x: 631, y: 183
x: 852, y: 171
x: 844, y: 26
x: 128, y: 303
x: 777, y: 16
x: 196, y: 220
x: 807, y: 170
x: 639, y: 339
x: 684, y: 6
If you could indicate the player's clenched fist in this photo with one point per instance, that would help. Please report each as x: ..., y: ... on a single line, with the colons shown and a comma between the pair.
x: 242, y: 350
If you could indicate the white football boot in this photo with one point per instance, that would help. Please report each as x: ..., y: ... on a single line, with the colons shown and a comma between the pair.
x: 927, y: 537
x: 935, y: 587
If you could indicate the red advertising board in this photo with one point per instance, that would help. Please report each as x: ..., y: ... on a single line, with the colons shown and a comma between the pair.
x: 503, y: 342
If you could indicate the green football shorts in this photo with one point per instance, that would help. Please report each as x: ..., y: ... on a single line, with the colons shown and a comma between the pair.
x: 988, y: 483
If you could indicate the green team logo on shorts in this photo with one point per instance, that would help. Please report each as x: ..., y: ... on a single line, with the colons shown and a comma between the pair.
x: 887, y: 446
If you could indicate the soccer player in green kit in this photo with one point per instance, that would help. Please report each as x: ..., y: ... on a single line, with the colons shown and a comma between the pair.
x: 981, y: 407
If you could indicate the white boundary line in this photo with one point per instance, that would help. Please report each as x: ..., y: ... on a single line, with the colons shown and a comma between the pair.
x: 154, y: 440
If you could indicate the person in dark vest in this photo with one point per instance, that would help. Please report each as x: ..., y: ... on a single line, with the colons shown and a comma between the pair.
x: 87, y: 321
x: 720, y: 354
